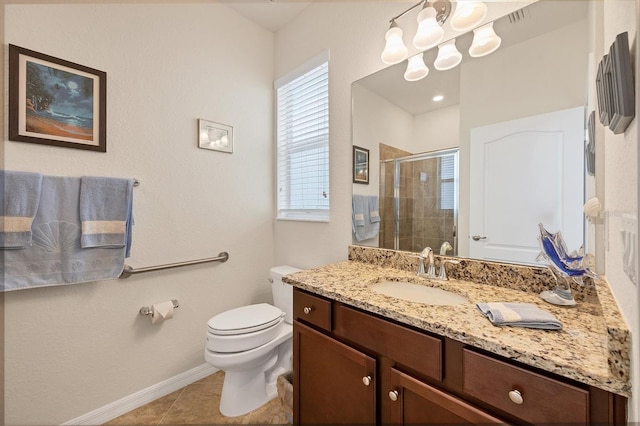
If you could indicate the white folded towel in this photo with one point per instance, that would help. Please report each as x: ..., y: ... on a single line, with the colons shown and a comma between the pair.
x: 519, y: 315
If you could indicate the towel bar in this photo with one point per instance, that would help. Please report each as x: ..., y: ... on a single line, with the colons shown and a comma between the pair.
x: 128, y: 270
x: 148, y: 310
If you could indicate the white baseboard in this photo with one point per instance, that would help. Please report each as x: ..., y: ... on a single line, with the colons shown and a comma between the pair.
x: 138, y: 399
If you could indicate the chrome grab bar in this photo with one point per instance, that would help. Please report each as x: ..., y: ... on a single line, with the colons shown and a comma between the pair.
x: 128, y: 270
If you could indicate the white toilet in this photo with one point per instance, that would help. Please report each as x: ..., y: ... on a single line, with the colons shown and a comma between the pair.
x: 253, y: 346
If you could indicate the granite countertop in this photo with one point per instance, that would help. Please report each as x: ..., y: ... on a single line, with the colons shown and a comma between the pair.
x: 592, y: 347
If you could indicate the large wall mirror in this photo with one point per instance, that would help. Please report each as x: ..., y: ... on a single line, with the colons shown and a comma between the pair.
x: 514, y: 118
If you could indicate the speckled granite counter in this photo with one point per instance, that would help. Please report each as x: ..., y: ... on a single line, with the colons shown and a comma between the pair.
x: 593, y: 347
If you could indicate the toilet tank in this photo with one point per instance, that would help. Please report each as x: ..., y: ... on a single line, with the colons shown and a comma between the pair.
x: 282, y: 292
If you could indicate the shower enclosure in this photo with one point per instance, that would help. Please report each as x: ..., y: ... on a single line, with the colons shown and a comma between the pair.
x: 419, y: 201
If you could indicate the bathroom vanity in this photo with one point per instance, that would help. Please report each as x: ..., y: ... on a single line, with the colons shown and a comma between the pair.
x: 365, y: 358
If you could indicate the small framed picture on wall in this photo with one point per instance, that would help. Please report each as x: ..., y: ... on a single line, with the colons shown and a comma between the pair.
x: 360, y: 165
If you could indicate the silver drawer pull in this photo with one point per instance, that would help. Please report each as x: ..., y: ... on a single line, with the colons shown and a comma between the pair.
x: 393, y: 395
x: 307, y: 310
x: 366, y: 380
x: 516, y: 397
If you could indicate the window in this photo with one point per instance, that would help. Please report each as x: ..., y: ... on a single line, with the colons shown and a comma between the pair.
x: 302, y: 125
x: 447, y: 182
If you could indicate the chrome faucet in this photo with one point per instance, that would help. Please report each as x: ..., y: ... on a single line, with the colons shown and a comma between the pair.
x: 427, y: 253
x: 442, y: 275
x: 445, y: 247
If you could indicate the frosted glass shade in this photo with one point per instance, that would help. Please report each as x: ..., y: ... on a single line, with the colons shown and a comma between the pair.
x: 416, y: 69
x: 429, y: 32
x: 468, y: 14
x: 394, y: 50
x: 485, y: 41
x: 448, y: 56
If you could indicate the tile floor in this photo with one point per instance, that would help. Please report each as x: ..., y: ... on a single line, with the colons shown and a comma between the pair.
x: 198, y: 403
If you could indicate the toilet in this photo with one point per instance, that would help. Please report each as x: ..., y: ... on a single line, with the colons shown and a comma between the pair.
x: 253, y: 346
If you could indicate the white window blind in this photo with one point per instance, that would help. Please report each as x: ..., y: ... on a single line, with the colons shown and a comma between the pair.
x: 447, y: 189
x: 302, y: 121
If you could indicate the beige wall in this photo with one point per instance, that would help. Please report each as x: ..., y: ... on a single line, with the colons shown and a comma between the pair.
x: 72, y: 349
x: 620, y: 154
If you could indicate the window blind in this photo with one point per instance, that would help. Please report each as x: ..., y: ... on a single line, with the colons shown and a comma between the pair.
x: 447, y: 189
x: 302, y: 122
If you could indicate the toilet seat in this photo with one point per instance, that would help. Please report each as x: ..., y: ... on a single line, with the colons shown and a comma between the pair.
x: 245, y: 319
x: 244, y: 328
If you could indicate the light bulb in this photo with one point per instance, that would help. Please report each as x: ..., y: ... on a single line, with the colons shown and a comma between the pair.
x: 429, y: 32
x: 468, y: 14
x: 416, y: 69
x: 485, y: 41
x: 394, y: 50
x: 448, y: 56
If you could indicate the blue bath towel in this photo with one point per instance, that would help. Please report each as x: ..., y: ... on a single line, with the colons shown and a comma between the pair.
x: 105, y: 211
x: 359, y: 205
x: 56, y: 256
x: 519, y: 315
x: 363, y: 225
x: 374, y: 214
x: 20, y: 193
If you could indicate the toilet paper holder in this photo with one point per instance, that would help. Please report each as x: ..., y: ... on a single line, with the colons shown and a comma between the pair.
x: 148, y: 310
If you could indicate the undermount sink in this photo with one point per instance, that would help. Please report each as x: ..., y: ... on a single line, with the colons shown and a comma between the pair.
x: 418, y: 293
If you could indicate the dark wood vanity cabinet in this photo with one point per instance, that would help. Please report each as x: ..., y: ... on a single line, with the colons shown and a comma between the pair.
x: 354, y: 367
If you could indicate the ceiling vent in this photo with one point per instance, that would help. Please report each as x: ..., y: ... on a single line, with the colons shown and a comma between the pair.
x: 518, y: 15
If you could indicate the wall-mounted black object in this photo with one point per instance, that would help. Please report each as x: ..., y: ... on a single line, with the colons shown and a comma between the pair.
x: 614, y: 84
x: 590, y: 148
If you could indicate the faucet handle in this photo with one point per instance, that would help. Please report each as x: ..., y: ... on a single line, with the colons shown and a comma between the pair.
x: 443, y: 273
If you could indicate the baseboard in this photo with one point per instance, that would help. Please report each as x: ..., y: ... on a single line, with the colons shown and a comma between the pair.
x: 138, y: 399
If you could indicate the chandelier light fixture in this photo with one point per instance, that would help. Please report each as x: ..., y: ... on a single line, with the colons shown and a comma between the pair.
x: 416, y: 68
x: 467, y: 14
x: 394, y: 50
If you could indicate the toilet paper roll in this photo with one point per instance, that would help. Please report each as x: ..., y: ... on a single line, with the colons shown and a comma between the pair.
x: 162, y: 311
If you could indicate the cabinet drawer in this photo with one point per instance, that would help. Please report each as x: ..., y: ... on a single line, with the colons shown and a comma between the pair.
x: 543, y: 400
x: 312, y: 309
x: 415, y: 350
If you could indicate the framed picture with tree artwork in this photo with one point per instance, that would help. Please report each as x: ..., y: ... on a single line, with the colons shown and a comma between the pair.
x: 56, y: 102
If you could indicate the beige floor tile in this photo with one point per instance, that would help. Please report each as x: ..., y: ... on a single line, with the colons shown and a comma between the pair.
x: 198, y: 403
x: 148, y: 414
x: 271, y: 413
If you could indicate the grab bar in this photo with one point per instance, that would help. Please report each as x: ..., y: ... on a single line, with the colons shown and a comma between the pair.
x: 128, y: 270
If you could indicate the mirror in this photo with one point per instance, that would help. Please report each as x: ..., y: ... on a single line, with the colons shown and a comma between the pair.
x: 540, y: 68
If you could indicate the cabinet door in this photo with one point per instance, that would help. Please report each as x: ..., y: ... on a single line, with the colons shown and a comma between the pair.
x: 415, y: 402
x: 333, y: 383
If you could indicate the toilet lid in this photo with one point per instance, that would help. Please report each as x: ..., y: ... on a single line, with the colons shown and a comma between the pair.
x: 245, y: 319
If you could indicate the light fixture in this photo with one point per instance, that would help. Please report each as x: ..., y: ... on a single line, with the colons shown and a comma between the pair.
x: 394, y: 50
x: 468, y: 14
x: 437, y: 98
x: 448, y: 56
x: 429, y: 31
x: 416, y: 69
x: 433, y: 15
x: 485, y: 41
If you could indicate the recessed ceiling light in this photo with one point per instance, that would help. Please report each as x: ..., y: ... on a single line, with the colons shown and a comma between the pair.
x: 438, y: 98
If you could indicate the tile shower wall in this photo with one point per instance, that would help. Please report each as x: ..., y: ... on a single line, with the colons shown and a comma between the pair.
x: 431, y: 224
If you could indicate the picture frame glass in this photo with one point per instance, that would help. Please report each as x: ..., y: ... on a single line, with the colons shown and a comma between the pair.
x: 360, y: 165
x: 215, y: 136
x: 56, y: 102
